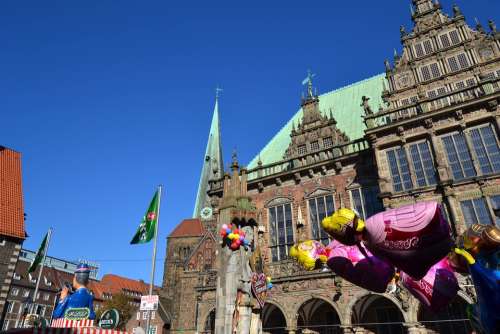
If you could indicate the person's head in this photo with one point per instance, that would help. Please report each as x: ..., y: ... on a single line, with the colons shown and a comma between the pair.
x: 81, y: 278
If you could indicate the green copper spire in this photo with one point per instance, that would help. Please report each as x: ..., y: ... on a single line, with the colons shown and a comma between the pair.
x: 212, y: 161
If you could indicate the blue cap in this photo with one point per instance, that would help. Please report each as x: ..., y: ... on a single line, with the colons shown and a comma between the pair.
x: 82, y: 268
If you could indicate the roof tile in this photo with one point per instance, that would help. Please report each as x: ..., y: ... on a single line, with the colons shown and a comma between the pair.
x: 188, y: 228
x: 11, y: 194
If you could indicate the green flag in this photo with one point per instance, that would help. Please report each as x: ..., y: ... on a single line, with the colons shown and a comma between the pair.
x: 146, y: 230
x: 39, y: 255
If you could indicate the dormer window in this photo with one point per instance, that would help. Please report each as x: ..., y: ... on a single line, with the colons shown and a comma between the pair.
x: 16, y: 276
x: 47, y: 282
x: 31, y: 278
x: 302, y: 149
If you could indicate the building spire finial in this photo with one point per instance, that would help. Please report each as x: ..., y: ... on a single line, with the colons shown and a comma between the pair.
x: 218, y: 90
x: 308, y: 81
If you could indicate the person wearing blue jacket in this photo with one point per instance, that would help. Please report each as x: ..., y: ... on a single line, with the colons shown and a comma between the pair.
x: 81, y: 298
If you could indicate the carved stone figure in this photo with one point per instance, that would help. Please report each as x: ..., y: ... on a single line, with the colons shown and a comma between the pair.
x: 366, y: 105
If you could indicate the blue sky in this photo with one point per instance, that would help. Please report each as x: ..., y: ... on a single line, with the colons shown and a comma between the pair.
x: 106, y: 99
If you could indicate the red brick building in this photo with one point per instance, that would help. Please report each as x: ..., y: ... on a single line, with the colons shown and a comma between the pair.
x: 111, y: 285
x: 12, y: 233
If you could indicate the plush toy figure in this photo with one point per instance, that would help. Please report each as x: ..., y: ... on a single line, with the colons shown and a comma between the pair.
x: 81, y: 299
x: 438, y: 287
x: 485, y: 271
x: 412, y: 237
x: 310, y: 254
x: 349, y: 263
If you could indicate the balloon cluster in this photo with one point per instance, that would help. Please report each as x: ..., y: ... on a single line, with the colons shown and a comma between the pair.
x: 233, y: 237
x: 269, y: 283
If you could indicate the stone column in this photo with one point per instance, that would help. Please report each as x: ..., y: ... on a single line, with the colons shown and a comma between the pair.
x: 347, y: 329
x: 412, y: 328
x: 452, y: 205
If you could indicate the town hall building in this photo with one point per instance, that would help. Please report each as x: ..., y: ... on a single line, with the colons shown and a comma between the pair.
x: 425, y: 129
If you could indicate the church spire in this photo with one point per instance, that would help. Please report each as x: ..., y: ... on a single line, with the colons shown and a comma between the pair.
x: 212, y: 162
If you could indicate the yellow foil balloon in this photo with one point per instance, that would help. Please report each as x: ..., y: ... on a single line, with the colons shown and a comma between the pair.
x: 337, y: 223
x: 303, y: 253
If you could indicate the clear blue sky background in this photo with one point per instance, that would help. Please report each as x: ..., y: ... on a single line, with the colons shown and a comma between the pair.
x: 106, y: 99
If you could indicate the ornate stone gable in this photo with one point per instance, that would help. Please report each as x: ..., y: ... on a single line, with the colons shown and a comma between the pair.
x: 441, y: 55
x: 203, y: 256
x: 315, y: 132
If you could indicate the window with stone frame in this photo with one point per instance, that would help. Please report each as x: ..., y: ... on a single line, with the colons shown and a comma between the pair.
x: 365, y: 201
x: 453, y: 64
x: 455, y: 38
x: 475, y: 211
x: 435, y: 70
x: 470, y: 82
x: 462, y: 60
x: 400, y: 171
x: 426, y: 74
x: 428, y: 46
x: 314, y: 145
x: 5, y: 325
x: 281, y: 231
x: 486, y: 148
x: 459, y: 85
x: 14, y: 291
x: 26, y: 293
x: 302, y: 149
x: 445, y: 41
x: 423, y: 164
x: 459, y: 157
x: 495, y: 205
x: 327, y: 142
x: 319, y: 208
x: 419, y: 50
x: 10, y: 307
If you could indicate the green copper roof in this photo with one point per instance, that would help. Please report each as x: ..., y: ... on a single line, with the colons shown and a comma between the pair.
x: 212, y: 162
x: 345, y: 105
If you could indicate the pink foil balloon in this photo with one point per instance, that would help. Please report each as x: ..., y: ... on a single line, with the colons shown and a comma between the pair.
x: 438, y: 287
x: 412, y: 238
x: 348, y: 262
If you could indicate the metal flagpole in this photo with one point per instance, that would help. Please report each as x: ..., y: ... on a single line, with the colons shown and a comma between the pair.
x: 153, y: 266
x: 41, y: 269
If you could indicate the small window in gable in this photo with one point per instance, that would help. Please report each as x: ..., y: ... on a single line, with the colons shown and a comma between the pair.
x: 314, y: 145
x: 455, y: 38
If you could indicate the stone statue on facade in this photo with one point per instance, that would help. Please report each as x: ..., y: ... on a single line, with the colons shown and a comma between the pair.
x: 366, y: 105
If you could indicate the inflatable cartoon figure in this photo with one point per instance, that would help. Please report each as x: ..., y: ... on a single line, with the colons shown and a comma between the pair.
x: 438, y: 287
x: 484, y: 267
x: 412, y: 237
x: 371, y: 272
x: 81, y: 301
x: 310, y: 254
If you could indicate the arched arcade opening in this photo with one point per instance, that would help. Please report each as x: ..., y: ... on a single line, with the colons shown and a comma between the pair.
x: 273, y: 320
x: 318, y: 316
x: 452, y: 320
x: 378, y: 314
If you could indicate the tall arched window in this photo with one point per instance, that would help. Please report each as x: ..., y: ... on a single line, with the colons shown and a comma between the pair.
x: 321, y: 205
x: 280, y: 228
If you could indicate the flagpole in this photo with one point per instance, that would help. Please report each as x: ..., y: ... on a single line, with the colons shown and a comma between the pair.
x: 153, y: 266
x: 41, y: 268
